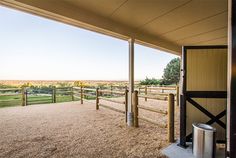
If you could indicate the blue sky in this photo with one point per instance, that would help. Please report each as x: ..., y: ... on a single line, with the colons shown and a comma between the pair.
x: 35, y: 48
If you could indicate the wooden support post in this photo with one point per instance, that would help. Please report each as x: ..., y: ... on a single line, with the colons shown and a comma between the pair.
x: 72, y: 94
x: 97, y: 98
x: 81, y: 95
x: 145, y: 93
x: 177, y: 95
x: 171, y: 115
x: 54, y: 95
x: 231, y: 91
x: 135, y: 107
x: 130, y: 117
x: 23, y: 91
x: 126, y: 104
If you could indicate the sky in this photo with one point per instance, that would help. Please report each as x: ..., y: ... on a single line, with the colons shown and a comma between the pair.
x: 35, y: 48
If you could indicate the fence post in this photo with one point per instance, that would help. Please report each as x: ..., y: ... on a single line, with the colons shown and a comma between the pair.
x: 145, y: 93
x: 177, y: 95
x: 54, y: 94
x: 72, y: 94
x: 126, y: 103
x: 97, y: 98
x: 135, y: 107
x: 26, y: 97
x: 171, y: 115
x: 111, y: 90
x: 23, y: 91
x: 81, y: 94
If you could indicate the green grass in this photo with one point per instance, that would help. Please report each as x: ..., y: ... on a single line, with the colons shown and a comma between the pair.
x: 14, y: 101
x: 33, y: 99
x: 40, y: 99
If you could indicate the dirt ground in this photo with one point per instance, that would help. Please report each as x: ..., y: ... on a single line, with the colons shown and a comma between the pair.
x: 75, y: 130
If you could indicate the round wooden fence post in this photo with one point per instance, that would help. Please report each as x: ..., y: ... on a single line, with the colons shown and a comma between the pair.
x: 171, y: 115
x: 145, y: 93
x: 23, y: 98
x: 126, y: 104
x: 177, y: 95
x: 72, y: 94
x: 54, y: 94
x: 111, y: 90
x: 97, y: 98
x: 81, y: 94
x: 135, y: 107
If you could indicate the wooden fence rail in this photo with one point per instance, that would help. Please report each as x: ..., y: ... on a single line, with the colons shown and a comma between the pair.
x: 125, y: 102
x: 97, y: 94
x: 150, y: 91
x: 170, y: 124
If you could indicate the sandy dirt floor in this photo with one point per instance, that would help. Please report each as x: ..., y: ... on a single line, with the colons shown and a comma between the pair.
x: 75, y: 130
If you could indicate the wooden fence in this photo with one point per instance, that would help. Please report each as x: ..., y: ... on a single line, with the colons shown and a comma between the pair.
x: 170, y: 113
x: 120, y: 93
x: 97, y: 94
x: 28, y: 96
x: 161, y: 92
x: 101, y: 95
x: 12, y: 92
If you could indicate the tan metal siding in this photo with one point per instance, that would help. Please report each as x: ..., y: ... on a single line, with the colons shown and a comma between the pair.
x: 206, y: 71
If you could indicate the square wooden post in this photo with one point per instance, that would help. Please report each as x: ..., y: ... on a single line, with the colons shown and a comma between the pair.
x: 126, y: 104
x: 171, y: 118
x: 177, y: 95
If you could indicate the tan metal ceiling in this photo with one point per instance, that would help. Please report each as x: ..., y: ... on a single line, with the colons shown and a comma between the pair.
x: 164, y: 24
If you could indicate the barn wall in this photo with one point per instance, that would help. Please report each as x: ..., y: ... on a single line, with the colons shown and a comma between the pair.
x: 206, y: 71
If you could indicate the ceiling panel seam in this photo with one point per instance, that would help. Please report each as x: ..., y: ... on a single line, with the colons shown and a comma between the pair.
x: 197, y: 21
x: 211, y: 39
x: 155, y: 18
x: 115, y: 10
x: 202, y: 33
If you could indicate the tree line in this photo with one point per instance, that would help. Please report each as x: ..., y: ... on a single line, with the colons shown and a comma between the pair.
x: 171, y: 75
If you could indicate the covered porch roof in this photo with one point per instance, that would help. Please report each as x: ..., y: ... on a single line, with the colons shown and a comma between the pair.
x: 162, y: 24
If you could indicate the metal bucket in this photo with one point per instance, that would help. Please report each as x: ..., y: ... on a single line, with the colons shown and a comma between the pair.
x: 204, y: 141
x: 130, y: 119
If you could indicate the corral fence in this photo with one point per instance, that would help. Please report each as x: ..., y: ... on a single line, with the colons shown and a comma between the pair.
x: 159, y: 92
x: 34, y: 95
x: 169, y: 113
x: 11, y: 96
x: 100, y: 95
x: 101, y: 98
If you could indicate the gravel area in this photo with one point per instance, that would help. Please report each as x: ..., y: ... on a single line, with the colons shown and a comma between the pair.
x: 75, y: 130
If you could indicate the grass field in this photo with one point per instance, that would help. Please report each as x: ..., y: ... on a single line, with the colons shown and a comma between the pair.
x: 8, y: 101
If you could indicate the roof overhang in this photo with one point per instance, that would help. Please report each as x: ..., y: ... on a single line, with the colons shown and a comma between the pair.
x: 165, y: 25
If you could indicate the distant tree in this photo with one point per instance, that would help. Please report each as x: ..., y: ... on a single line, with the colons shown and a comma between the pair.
x: 63, y: 84
x: 151, y: 81
x: 172, y: 72
x: 80, y: 83
x: 28, y: 84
